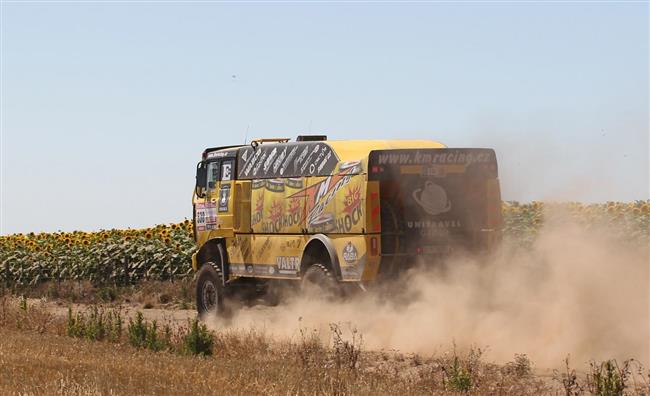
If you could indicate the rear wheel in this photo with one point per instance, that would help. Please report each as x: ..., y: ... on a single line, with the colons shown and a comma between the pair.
x: 319, y: 282
x: 209, y: 290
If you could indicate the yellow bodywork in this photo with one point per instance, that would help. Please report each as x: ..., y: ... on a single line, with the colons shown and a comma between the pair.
x: 269, y: 221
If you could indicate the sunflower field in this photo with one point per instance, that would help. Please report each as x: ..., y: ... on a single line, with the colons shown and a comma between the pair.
x: 113, y: 257
x: 163, y: 252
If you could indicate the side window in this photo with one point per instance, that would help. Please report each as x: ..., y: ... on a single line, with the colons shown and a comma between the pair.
x: 213, y: 175
x: 226, y: 170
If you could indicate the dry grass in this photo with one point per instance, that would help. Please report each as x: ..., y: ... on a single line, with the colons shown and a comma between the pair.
x: 33, y: 363
x: 36, y: 357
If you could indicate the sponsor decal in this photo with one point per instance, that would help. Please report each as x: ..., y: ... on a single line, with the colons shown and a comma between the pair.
x: 258, y: 214
x: 275, y: 185
x: 434, y: 229
x: 249, y: 165
x: 354, y: 166
x: 294, y: 182
x: 258, y: 183
x: 352, y: 199
x: 278, y: 219
x: 237, y: 268
x: 324, y: 161
x: 219, y: 154
x: 226, y: 170
x: 287, y: 160
x: 323, y: 223
x: 434, y: 224
x: 224, y: 197
x: 261, y: 269
x: 435, y: 156
x: 287, y: 264
x: 294, y: 207
x: 325, y: 194
x: 350, y: 254
x: 290, y: 156
x: 293, y: 244
x: 275, y: 211
x: 352, y: 211
x: 279, y: 160
x: 264, y: 248
x: 300, y: 158
x: 319, y: 195
x: 206, y: 216
x: 350, y: 272
x: 308, y: 161
x: 257, y: 166
x: 432, y: 198
x: 269, y: 160
x: 243, y: 244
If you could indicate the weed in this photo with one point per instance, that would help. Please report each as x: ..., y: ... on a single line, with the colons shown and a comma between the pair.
x: 569, y: 380
x: 310, y: 350
x: 519, y: 367
x: 95, y: 325
x: 137, y: 331
x: 461, y: 375
x: 346, y: 353
x: 459, y: 378
x: 198, y: 340
x: 607, y: 378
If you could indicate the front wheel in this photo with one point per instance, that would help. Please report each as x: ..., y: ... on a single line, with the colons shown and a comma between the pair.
x: 209, y: 290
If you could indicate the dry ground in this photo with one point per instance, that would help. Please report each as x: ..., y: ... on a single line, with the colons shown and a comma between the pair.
x: 37, y: 357
x: 32, y: 363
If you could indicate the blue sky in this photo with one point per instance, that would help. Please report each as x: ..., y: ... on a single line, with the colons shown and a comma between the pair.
x: 106, y: 107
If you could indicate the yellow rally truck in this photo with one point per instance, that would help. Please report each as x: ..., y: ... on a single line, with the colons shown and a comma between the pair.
x: 336, y: 214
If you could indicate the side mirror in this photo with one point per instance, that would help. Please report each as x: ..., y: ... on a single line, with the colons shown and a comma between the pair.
x: 201, y: 178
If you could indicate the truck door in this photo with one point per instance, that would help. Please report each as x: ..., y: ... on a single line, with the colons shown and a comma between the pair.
x: 205, y: 210
x: 214, y: 210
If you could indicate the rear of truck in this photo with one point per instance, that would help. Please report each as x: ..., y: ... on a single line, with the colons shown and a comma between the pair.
x: 435, y: 203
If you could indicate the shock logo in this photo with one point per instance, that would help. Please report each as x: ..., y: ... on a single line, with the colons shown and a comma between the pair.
x: 279, y: 220
x: 259, y: 210
x: 275, y: 212
x: 294, y: 207
x: 352, y: 211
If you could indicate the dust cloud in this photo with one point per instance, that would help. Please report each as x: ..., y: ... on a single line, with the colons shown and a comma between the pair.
x: 574, y: 292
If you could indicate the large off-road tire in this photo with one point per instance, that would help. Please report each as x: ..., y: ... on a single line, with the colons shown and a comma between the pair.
x: 209, y: 290
x: 319, y: 281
